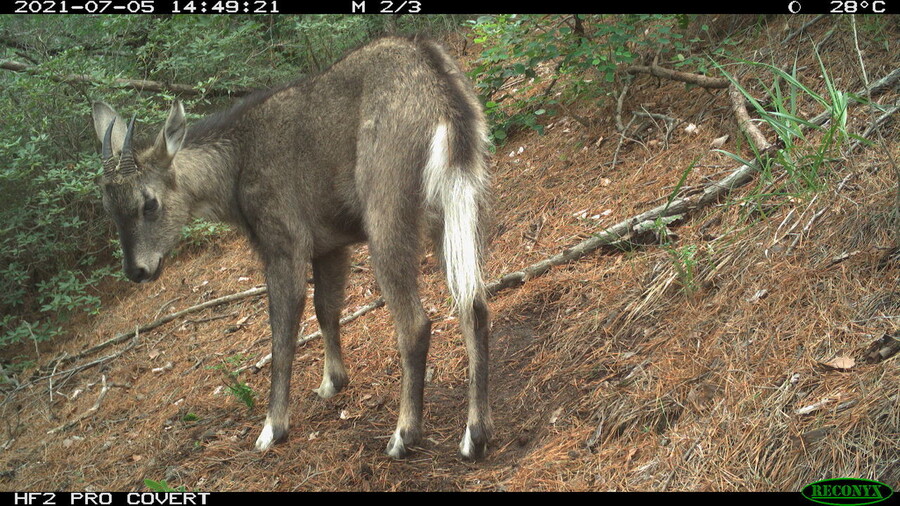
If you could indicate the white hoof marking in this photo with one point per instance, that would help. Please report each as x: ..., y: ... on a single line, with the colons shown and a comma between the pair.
x: 466, y: 446
x: 396, y: 448
x: 326, y: 390
x: 266, y: 438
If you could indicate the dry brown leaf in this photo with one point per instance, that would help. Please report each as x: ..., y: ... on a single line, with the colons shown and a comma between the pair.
x: 840, y: 363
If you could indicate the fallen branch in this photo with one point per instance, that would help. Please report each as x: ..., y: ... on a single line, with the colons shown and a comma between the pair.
x: 137, y: 84
x: 124, y: 336
x: 623, y: 230
x: 698, y: 79
x: 738, y: 104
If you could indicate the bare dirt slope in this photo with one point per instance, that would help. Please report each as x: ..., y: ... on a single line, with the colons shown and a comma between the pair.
x: 620, y: 371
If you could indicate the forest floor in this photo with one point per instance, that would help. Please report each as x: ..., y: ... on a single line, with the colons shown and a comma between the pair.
x: 735, y: 357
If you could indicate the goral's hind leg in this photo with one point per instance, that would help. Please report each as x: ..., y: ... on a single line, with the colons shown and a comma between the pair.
x: 394, y: 247
x: 413, y: 338
x: 475, y: 326
x: 330, y: 277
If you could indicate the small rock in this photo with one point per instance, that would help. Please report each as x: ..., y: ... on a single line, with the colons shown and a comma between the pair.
x: 758, y: 296
x: 719, y: 142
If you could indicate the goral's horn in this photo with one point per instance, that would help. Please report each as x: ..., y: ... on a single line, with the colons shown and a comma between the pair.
x: 109, y: 165
x: 127, y: 164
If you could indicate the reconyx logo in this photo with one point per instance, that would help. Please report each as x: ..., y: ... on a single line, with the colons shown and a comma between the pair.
x: 847, y: 491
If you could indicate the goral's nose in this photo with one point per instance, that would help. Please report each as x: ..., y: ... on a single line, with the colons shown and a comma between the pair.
x: 138, y: 273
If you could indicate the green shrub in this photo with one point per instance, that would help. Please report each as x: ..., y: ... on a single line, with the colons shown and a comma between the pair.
x: 588, y: 49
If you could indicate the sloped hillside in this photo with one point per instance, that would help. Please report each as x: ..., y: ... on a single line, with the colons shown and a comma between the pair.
x: 746, y: 346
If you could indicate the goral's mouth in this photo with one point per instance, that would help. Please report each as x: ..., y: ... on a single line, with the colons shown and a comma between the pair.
x: 157, y: 273
x: 142, y: 274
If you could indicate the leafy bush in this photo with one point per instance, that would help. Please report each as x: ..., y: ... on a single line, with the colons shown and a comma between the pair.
x: 200, y: 232
x: 51, y: 231
x: 589, y: 49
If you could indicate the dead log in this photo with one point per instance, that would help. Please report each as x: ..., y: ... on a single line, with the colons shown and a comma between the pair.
x: 675, y: 75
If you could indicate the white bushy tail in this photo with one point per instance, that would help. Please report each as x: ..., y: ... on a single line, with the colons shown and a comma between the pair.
x: 456, y: 192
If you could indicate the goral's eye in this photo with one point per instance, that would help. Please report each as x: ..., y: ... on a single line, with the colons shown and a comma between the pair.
x: 151, y: 206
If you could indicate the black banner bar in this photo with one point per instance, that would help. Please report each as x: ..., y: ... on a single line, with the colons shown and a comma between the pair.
x: 229, y: 498
x: 426, y: 7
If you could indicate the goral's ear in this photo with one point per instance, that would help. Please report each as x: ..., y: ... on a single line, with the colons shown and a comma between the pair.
x: 103, y: 116
x: 171, y: 137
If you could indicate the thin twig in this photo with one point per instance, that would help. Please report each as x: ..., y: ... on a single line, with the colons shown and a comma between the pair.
x: 87, y: 413
x: 164, y: 306
x: 305, y: 339
x: 806, y: 228
x: 671, y: 123
x: 621, y: 141
x: 875, y: 125
x: 619, y: 125
x: 862, y: 65
x: 50, y: 387
x: 825, y: 39
x: 71, y: 372
x: 802, y: 28
x: 210, y: 318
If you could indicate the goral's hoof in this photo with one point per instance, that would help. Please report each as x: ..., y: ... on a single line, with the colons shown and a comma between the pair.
x: 269, y: 436
x: 474, y: 444
x: 331, y: 385
x: 398, y: 446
